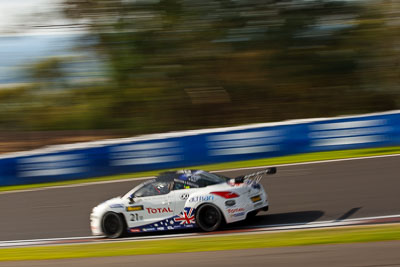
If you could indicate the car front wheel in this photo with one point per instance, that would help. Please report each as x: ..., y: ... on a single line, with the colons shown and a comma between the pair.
x: 113, y: 225
x: 208, y: 217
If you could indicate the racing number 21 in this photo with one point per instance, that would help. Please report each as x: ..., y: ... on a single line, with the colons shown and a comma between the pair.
x: 135, y: 217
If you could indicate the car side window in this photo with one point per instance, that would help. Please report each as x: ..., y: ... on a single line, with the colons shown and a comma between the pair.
x: 182, y: 185
x: 153, y: 189
x: 178, y: 186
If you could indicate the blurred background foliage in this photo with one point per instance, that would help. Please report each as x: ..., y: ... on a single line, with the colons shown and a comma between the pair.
x: 189, y: 64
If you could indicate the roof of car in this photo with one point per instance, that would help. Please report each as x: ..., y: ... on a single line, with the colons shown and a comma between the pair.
x: 180, y: 175
x: 194, y: 178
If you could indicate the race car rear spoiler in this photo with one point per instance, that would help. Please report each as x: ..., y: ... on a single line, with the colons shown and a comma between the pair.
x: 255, y: 177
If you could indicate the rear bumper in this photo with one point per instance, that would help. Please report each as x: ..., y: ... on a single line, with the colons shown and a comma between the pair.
x: 263, y: 208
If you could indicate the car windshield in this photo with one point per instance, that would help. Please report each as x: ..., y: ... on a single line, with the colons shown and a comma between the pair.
x: 154, y: 188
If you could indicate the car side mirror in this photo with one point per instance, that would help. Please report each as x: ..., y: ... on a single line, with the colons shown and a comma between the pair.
x: 132, y: 199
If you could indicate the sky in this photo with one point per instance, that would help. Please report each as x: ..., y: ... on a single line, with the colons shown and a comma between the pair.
x: 20, y: 44
x: 14, y: 13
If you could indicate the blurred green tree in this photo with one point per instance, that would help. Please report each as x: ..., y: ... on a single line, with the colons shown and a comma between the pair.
x: 193, y: 64
x: 48, y: 72
x: 184, y: 64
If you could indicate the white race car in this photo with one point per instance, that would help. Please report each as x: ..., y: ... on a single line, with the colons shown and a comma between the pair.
x: 181, y: 199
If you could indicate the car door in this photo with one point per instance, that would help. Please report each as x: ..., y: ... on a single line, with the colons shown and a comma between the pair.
x: 181, y: 193
x: 180, y: 197
x: 152, y: 203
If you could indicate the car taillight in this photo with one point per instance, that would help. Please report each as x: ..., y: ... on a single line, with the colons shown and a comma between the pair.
x: 225, y: 194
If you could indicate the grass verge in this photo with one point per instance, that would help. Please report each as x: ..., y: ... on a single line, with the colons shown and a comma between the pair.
x: 309, y: 157
x: 208, y: 243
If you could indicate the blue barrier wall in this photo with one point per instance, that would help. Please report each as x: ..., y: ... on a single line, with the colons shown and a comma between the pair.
x: 174, y: 150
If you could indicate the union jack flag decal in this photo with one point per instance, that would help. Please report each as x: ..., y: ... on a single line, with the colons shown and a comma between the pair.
x: 186, y: 217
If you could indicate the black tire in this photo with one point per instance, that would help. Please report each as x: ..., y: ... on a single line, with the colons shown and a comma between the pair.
x: 208, y: 217
x: 113, y: 225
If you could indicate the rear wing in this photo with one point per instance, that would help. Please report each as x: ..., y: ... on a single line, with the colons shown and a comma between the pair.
x: 254, y: 178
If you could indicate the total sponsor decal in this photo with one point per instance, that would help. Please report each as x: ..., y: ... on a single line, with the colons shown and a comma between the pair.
x: 201, y: 198
x: 159, y: 210
x: 134, y: 230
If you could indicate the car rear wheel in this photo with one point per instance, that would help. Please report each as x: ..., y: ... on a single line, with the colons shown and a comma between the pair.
x: 208, y: 217
x: 113, y: 225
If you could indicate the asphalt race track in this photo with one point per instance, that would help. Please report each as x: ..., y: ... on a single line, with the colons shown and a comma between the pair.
x: 300, y: 193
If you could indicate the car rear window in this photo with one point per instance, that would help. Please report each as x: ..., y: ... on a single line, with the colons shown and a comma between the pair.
x: 206, y: 179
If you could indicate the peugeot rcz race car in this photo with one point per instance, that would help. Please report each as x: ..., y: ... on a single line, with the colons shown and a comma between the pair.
x: 181, y: 199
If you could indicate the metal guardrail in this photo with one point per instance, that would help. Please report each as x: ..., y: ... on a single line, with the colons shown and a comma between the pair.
x: 189, y: 148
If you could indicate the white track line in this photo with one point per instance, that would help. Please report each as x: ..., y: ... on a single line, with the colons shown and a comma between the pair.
x: 257, y: 229
x: 323, y: 223
x: 311, y: 162
x: 226, y: 170
x: 78, y: 185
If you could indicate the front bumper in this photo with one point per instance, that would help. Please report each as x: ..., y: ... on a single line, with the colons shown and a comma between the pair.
x: 95, y: 224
